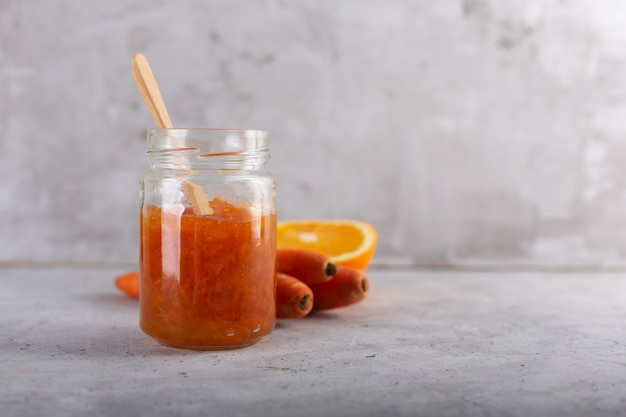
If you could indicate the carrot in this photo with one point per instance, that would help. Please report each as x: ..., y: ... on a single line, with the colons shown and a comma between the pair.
x: 294, y: 298
x: 128, y: 283
x: 347, y: 287
x: 308, y: 266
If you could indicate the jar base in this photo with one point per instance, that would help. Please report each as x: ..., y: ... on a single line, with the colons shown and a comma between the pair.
x: 205, y: 348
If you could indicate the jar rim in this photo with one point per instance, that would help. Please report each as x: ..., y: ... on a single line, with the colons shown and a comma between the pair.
x: 202, y: 129
x: 207, y: 147
x: 229, y: 139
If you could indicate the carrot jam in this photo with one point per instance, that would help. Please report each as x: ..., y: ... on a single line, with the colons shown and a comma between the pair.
x: 207, y: 281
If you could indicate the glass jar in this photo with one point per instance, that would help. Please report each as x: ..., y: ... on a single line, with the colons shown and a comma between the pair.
x: 208, y: 238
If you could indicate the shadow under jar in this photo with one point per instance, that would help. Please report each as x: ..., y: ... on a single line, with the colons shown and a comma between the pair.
x: 208, y: 239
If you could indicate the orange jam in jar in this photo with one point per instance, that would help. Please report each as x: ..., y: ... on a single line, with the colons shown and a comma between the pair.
x: 208, y: 239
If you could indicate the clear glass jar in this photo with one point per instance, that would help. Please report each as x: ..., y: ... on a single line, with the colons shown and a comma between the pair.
x: 208, y: 238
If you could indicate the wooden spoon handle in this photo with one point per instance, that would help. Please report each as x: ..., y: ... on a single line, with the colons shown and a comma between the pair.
x: 149, y: 91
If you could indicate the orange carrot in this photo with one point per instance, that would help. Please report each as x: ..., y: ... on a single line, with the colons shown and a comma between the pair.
x: 347, y: 287
x: 294, y: 298
x: 308, y: 266
x: 128, y: 283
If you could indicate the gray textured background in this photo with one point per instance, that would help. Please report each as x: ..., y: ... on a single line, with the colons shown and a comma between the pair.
x: 467, y: 131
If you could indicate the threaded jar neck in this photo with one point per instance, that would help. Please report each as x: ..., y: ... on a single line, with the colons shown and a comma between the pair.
x: 207, y: 148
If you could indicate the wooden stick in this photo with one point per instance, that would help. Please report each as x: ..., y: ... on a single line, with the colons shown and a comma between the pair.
x: 149, y: 90
x: 197, y: 196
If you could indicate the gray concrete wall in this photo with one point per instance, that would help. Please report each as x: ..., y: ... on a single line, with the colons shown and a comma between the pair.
x: 466, y: 131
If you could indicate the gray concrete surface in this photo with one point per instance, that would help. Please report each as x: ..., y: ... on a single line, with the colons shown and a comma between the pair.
x: 423, y: 344
x: 466, y: 131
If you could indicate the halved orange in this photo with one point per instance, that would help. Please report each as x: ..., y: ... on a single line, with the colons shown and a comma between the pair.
x: 347, y: 242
